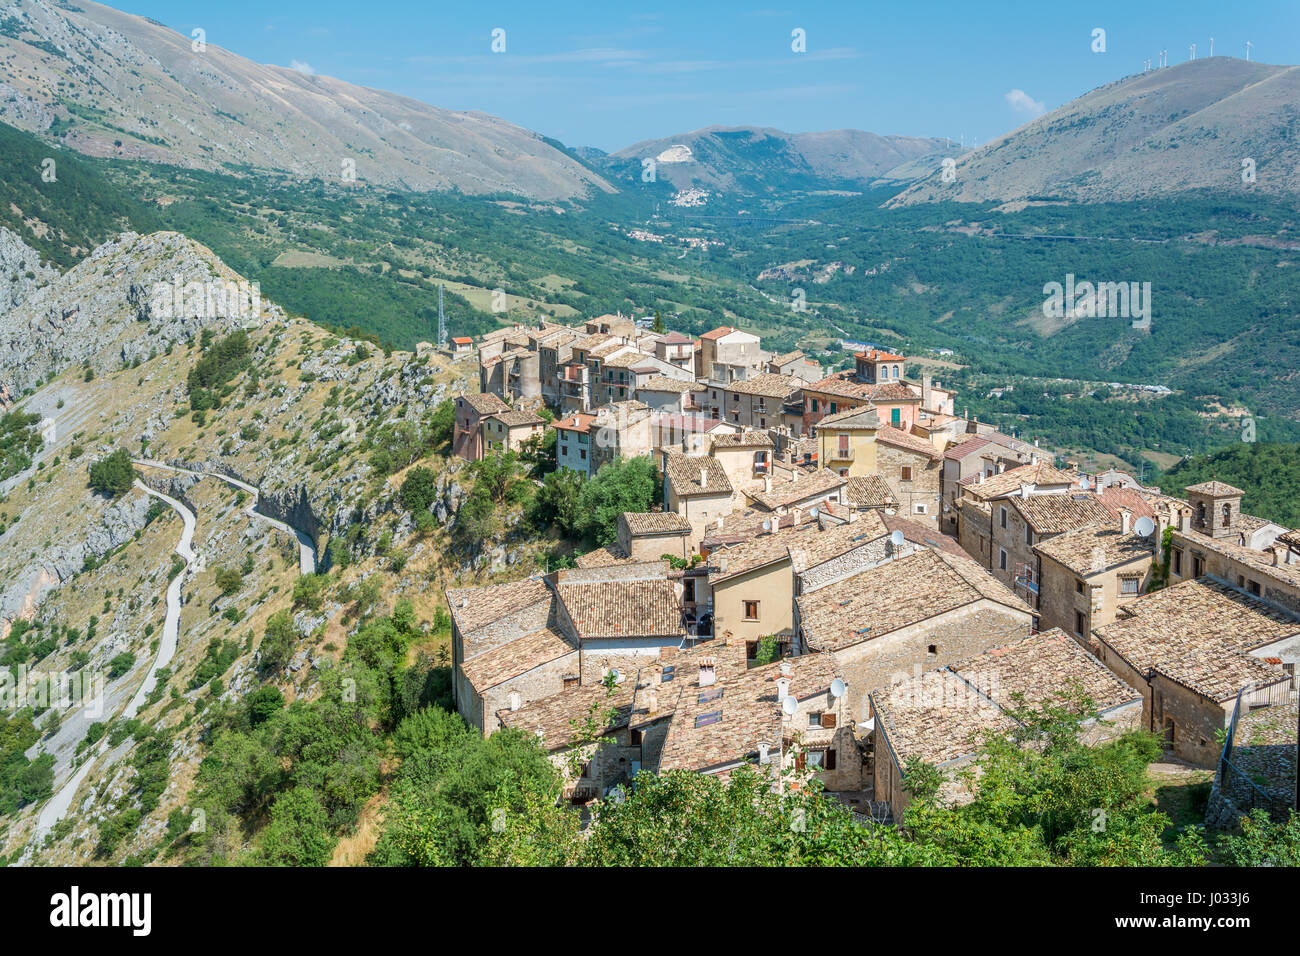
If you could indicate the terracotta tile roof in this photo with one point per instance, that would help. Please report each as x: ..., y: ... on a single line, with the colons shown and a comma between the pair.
x: 606, y: 557
x: 878, y: 355
x: 1217, y: 489
x: 768, y: 385
x: 845, y: 384
x: 1095, y: 547
x: 897, y: 438
x: 1037, y: 474
x: 552, y: 718
x: 787, y: 357
x: 518, y: 418
x: 661, y: 383
x: 893, y: 595
x: 813, y: 543
x: 577, y: 422
x: 1132, y: 499
x: 870, y: 491
x: 748, y: 713
x: 746, y: 439
x: 1056, y: 513
x: 941, y: 715
x: 690, y: 476
x: 1197, y: 633
x: 636, y: 607
x: 485, y: 403
x: 715, y: 334
x: 1041, y: 667
x: 686, y: 423
x: 744, y: 525
x: 925, y: 535
x: 863, y: 417
x: 473, y: 608
x: 790, y: 492
x: 462, y: 340
x: 655, y: 522
x: 676, y: 338
x: 516, y: 657
x: 968, y: 447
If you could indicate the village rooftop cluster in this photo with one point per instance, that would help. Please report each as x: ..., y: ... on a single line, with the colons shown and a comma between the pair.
x: 845, y: 575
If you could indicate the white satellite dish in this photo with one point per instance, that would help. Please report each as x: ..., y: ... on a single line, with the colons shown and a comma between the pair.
x: 1144, y: 526
x: 767, y: 525
x: 897, y: 539
x: 838, y: 687
x: 789, y: 705
x: 868, y: 725
x: 613, y: 672
x: 815, y: 512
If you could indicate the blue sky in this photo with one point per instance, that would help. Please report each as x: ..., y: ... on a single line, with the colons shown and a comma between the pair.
x: 610, y: 74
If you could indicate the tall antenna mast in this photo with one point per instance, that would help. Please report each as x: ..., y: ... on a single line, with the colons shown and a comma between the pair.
x: 1211, y: 46
x: 1247, y: 51
x: 442, y: 321
x: 1193, y: 56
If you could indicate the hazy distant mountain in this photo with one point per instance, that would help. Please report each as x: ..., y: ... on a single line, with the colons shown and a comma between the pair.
x: 1189, y: 126
x: 109, y: 83
x: 759, y: 161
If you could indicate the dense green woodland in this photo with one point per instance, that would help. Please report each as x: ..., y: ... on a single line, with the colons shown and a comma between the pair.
x: 1268, y: 473
x: 1224, y: 319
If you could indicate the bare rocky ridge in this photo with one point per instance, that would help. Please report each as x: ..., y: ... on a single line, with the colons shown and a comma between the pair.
x: 1166, y: 131
x: 139, y: 91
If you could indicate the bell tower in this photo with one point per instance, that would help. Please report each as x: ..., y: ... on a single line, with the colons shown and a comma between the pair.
x: 1216, y: 508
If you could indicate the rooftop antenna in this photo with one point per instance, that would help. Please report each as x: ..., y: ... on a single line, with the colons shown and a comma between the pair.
x: 1247, y: 51
x: 442, y: 321
x: 789, y: 705
x: 1144, y: 527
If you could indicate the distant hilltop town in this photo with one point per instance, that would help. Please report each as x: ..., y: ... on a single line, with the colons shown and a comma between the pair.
x: 841, y: 566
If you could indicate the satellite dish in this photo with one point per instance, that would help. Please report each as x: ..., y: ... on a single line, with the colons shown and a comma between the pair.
x: 789, y: 705
x: 815, y: 512
x: 613, y: 672
x: 868, y: 725
x: 838, y: 687
x: 1144, y: 526
x: 767, y: 525
x: 897, y: 539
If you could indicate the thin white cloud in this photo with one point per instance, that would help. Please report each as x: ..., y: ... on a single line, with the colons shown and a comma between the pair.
x: 301, y: 67
x: 1022, y: 102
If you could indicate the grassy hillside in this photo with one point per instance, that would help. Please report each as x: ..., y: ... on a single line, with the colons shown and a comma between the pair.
x: 1268, y: 473
x: 63, y: 219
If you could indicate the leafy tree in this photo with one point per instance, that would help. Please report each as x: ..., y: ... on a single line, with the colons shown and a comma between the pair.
x: 298, y: 834
x: 113, y: 475
x: 625, y: 484
x: 419, y: 490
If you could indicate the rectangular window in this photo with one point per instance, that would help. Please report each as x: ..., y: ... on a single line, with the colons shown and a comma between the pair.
x: 814, y: 404
x: 1029, y: 535
x: 834, y: 407
x: 1078, y: 587
x: 1002, y: 517
x: 1129, y: 585
x: 1002, y: 559
x: 907, y: 473
x: 1080, y: 623
x: 919, y: 509
x: 895, y: 417
x: 844, y: 445
x: 1198, y: 566
x: 814, y: 720
x: 1177, y: 556
x: 751, y: 610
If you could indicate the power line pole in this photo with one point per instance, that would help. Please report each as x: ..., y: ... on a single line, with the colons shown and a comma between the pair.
x: 442, y: 321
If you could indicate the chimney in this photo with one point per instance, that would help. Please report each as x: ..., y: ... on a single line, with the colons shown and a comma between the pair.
x: 516, y: 701
x: 704, y: 477
x: 1184, y: 519
x: 1002, y: 466
x: 652, y: 701
x: 763, y: 753
x: 796, y: 512
x: 1162, y: 522
x: 782, y: 689
x: 767, y: 484
x: 1125, y: 520
x: 708, y: 671
x: 721, y: 520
